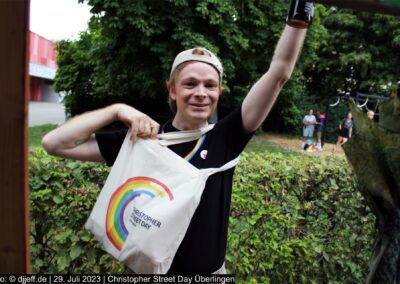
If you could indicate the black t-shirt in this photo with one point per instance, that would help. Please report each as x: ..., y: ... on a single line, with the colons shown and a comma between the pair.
x: 204, y: 245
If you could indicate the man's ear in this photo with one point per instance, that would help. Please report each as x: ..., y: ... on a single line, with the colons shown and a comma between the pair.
x: 221, y: 90
x: 171, y: 90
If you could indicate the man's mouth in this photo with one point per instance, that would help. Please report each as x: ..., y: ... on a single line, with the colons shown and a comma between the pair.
x: 199, y: 105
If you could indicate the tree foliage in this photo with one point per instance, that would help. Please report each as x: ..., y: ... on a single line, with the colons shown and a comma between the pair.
x: 360, y: 55
x: 126, y: 54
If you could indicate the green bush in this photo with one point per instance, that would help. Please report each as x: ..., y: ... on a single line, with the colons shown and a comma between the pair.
x: 298, y: 219
x: 62, y: 194
x: 294, y: 219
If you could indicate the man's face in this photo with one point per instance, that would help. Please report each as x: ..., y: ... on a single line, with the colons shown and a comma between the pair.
x: 196, y: 92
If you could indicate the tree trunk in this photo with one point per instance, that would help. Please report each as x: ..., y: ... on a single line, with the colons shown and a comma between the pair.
x: 374, y: 153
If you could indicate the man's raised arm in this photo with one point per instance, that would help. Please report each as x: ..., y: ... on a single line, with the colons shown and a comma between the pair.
x: 263, y: 94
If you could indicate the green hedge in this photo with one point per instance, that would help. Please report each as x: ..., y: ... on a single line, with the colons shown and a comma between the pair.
x: 62, y: 193
x: 298, y: 219
x: 294, y: 220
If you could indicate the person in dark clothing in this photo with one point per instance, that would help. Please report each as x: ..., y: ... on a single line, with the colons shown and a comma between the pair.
x: 345, y: 130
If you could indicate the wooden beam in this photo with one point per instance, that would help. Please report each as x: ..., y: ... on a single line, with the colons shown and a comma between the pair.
x: 14, y: 88
x: 373, y: 6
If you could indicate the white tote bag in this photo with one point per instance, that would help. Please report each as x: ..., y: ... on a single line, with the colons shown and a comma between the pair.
x: 148, y: 200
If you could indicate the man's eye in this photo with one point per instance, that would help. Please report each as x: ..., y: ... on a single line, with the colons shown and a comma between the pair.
x: 189, y: 84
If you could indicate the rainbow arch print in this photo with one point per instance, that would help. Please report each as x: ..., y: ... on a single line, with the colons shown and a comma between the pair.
x: 126, y: 193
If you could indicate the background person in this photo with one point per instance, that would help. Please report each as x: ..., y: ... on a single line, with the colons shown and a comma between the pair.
x: 370, y: 115
x: 345, y: 130
x: 309, y: 122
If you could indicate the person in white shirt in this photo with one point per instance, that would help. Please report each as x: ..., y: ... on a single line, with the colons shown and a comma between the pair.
x: 309, y: 122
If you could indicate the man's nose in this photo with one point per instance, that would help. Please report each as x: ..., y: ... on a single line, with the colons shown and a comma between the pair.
x: 201, y: 90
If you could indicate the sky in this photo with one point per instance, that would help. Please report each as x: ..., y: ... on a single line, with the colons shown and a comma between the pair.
x: 58, y: 19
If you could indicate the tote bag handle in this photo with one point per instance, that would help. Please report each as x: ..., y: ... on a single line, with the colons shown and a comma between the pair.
x: 177, y: 137
x: 210, y: 171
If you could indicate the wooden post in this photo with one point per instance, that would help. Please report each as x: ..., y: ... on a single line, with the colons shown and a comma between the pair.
x: 14, y: 88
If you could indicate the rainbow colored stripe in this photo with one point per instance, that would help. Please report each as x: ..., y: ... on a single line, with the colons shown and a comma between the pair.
x: 126, y: 193
x: 198, y: 145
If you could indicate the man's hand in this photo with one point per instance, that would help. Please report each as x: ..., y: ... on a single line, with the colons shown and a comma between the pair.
x: 140, y: 124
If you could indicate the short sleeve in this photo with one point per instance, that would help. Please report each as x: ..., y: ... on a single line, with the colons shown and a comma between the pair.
x: 110, y: 143
x: 230, y: 129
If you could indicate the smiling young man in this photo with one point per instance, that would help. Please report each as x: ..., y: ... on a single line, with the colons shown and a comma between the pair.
x: 194, y: 89
x: 195, y: 92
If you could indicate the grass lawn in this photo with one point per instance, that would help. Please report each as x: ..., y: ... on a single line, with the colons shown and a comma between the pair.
x: 262, y: 142
x: 37, y: 132
x: 258, y: 146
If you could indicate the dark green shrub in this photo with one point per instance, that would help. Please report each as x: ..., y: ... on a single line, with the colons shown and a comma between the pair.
x: 298, y: 219
x: 62, y: 194
x: 294, y: 219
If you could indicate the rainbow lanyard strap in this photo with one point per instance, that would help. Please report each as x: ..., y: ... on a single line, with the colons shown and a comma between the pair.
x: 196, y: 147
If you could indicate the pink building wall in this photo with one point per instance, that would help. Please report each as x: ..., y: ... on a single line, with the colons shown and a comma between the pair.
x: 42, y: 67
x: 42, y: 51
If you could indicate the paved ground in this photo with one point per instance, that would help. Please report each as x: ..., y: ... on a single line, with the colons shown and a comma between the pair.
x: 44, y: 113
